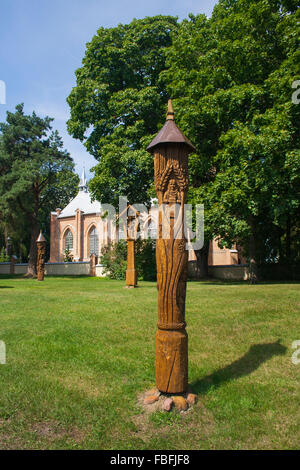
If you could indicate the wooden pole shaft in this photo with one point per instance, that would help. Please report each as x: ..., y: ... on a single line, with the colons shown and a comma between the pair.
x: 41, y: 248
x: 93, y: 262
x: 131, y: 273
x: 171, y: 341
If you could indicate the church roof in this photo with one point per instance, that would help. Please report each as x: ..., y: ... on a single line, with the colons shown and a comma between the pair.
x: 82, y: 201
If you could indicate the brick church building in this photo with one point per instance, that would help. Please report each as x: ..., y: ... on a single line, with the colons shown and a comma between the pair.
x: 81, y: 229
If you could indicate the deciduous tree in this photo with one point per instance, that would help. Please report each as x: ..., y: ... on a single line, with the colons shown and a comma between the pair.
x: 119, y: 103
x: 231, y: 77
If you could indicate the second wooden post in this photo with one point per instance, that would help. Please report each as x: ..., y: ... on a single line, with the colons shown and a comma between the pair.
x: 41, y: 252
x: 131, y: 272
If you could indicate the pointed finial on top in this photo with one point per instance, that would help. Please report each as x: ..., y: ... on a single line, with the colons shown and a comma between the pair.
x: 83, y: 177
x: 83, y: 184
x: 170, y: 113
x: 40, y: 238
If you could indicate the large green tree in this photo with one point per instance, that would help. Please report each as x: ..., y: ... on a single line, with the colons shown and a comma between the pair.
x: 119, y: 103
x: 231, y: 77
x: 35, y: 171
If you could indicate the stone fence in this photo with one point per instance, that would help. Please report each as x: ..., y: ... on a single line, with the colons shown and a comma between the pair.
x: 240, y: 272
x: 81, y: 268
x: 4, y: 268
x: 233, y: 272
x: 84, y: 268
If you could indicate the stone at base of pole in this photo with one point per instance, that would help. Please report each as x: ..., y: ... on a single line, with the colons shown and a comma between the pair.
x: 131, y: 277
x: 171, y: 361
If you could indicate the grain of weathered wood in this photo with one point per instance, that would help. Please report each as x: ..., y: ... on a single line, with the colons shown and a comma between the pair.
x: 170, y: 149
x: 131, y: 272
x: 41, y: 252
x: 93, y: 262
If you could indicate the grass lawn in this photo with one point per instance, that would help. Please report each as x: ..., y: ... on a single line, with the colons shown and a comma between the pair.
x: 80, y: 350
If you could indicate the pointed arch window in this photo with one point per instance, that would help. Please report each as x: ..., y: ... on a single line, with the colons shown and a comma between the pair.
x: 69, y: 240
x: 93, y: 241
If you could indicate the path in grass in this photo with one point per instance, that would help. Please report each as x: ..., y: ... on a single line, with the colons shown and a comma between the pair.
x: 79, y: 350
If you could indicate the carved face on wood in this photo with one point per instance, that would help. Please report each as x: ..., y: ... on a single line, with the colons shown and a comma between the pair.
x: 172, y: 195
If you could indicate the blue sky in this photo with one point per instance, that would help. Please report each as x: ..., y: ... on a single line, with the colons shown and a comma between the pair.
x: 43, y: 43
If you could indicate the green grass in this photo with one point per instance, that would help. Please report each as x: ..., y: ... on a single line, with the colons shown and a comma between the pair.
x: 80, y: 350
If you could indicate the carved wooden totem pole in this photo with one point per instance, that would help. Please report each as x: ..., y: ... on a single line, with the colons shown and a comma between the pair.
x: 41, y: 252
x: 93, y: 262
x: 170, y: 149
x: 131, y: 272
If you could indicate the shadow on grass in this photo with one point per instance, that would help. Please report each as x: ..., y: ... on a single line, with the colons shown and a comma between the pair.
x: 257, y: 355
x: 11, y: 276
x: 228, y: 282
x: 6, y: 287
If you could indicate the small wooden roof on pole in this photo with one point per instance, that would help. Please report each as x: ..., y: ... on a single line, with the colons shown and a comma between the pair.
x: 40, y: 238
x: 170, y: 133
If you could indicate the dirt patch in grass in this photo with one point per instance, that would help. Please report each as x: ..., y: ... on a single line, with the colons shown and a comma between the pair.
x: 8, y: 439
x: 10, y: 442
x: 4, y: 440
x: 81, y: 384
x: 157, y: 405
x: 144, y: 428
x: 198, y: 422
x: 44, y: 431
x: 150, y: 408
x: 52, y: 431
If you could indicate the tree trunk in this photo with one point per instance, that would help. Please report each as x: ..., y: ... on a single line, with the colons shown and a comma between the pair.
x: 288, y: 239
x: 280, y: 250
x: 6, y: 241
x: 31, y: 270
x: 253, y: 271
x: 202, y: 262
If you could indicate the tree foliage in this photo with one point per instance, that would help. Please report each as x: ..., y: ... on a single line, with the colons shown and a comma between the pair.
x: 35, y: 172
x: 114, y: 259
x: 231, y: 78
x: 119, y: 103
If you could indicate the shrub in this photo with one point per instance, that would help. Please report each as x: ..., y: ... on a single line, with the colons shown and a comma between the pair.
x: 3, y: 256
x: 145, y: 259
x: 114, y: 259
x: 68, y: 257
